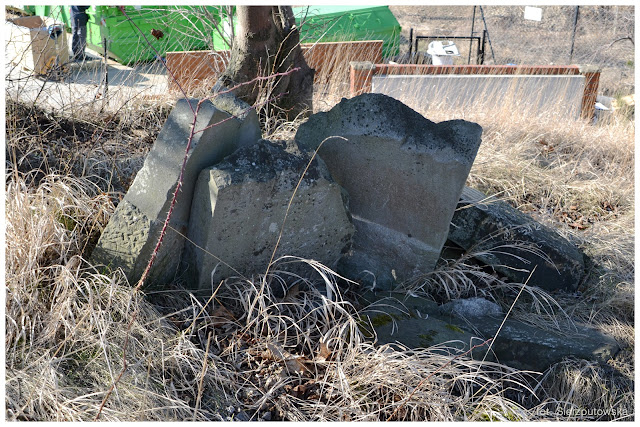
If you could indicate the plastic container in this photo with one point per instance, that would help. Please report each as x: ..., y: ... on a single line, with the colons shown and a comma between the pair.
x: 187, y: 28
x: 195, y: 28
x: 41, y: 10
x: 31, y: 10
x: 61, y: 14
x: 349, y: 23
x: 179, y: 28
x: 58, y: 12
x: 126, y: 43
x: 442, y: 53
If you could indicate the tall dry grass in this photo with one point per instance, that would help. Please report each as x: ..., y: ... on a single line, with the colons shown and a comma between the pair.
x: 284, y: 347
x: 302, y: 356
x: 65, y: 320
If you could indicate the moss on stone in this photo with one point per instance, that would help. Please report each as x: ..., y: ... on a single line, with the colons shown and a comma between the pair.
x: 428, y: 338
x: 454, y: 328
x: 380, y: 320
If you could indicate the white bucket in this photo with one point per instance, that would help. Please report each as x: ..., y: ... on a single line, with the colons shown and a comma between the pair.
x: 442, y: 53
x: 441, y: 60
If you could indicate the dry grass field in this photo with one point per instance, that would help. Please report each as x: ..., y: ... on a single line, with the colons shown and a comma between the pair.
x: 72, y: 328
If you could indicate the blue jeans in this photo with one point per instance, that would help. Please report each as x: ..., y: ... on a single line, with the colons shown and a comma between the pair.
x: 79, y: 34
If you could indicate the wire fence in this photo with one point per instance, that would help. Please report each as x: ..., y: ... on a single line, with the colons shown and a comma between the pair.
x: 602, y: 36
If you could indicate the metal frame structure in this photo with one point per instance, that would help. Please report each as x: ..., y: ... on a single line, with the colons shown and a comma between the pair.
x: 480, y: 51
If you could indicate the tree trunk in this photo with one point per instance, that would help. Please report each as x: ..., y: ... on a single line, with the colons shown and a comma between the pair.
x: 267, y: 42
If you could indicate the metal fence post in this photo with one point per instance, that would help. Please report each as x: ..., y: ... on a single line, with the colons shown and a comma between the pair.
x: 573, y: 36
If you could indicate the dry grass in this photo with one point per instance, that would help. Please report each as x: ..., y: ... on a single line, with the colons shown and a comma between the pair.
x: 285, y: 347
x: 66, y: 327
x: 106, y: 148
x: 463, y: 278
x: 578, y: 179
x: 300, y: 356
x: 66, y: 321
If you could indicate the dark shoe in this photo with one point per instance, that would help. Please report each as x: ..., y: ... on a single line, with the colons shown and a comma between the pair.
x: 83, y: 57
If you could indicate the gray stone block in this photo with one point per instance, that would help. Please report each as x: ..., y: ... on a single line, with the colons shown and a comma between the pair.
x: 239, y: 208
x: 249, y: 131
x: 124, y: 238
x: 416, y: 322
x: 526, y: 346
x: 386, y: 252
x: 132, y: 233
x: 404, y: 175
x: 482, y: 223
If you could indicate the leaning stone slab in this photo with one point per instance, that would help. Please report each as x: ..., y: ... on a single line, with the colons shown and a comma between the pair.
x: 481, y: 223
x: 239, y: 209
x: 131, y: 235
x: 404, y: 175
x: 419, y: 323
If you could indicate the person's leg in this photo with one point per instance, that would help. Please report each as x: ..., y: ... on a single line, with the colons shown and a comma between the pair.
x: 82, y: 36
x: 76, y: 48
x: 78, y: 38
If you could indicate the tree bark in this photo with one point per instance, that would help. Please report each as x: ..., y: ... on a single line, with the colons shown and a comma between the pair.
x: 267, y: 42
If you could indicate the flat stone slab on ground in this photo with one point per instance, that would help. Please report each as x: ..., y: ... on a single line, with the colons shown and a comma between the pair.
x: 399, y: 321
x: 131, y: 235
x: 239, y: 210
x: 419, y: 323
x: 525, y: 346
x: 481, y: 223
x: 404, y: 175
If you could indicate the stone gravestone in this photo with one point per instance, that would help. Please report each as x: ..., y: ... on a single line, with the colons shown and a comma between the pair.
x: 131, y: 235
x: 481, y: 223
x: 239, y: 208
x: 461, y: 324
x: 404, y: 175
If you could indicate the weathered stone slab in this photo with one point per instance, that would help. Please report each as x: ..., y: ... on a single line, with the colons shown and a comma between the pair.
x: 415, y: 326
x: 239, y: 208
x: 131, y: 235
x: 404, y: 175
x: 419, y: 323
x: 483, y: 223
x: 470, y: 308
x: 385, y: 251
x: 525, y: 346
